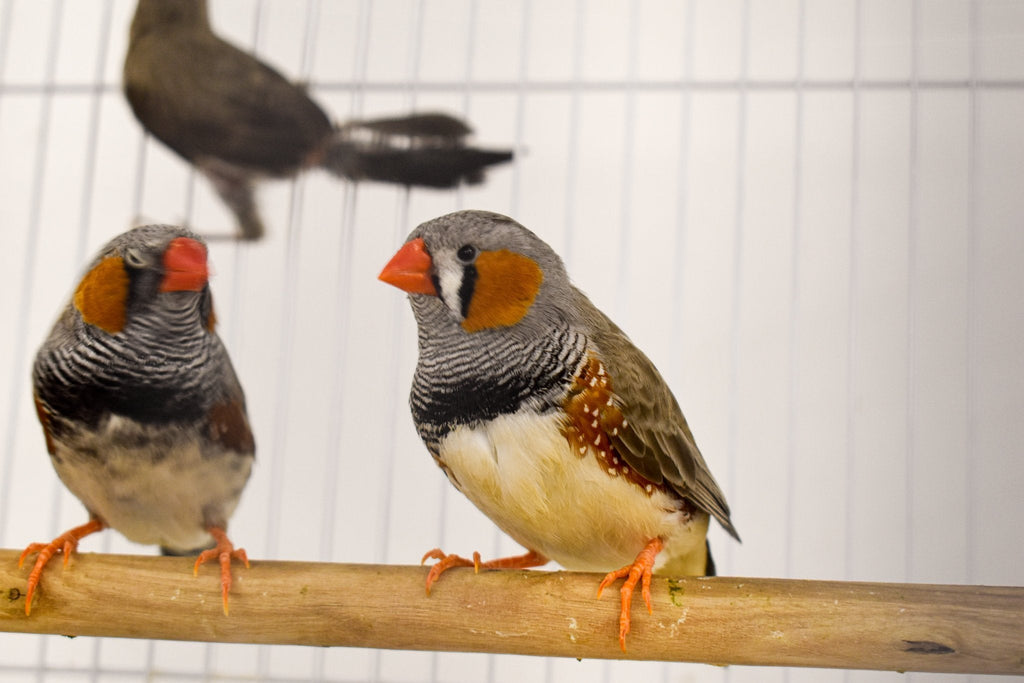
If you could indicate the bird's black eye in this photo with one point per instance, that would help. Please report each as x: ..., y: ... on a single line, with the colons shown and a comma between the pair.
x: 466, y: 253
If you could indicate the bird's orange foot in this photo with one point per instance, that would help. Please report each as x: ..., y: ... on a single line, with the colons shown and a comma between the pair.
x: 640, y: 570
x: 224, y: 551
x: 446, y: 562
x: 65, y: 543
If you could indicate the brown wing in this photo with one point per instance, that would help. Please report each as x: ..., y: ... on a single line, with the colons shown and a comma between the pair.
x: 203, y: 97
x: 229, y: 427
x: 44, y: 419
x: 655, y: 441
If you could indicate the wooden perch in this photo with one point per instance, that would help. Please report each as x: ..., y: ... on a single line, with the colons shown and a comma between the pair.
x: 902, y: 627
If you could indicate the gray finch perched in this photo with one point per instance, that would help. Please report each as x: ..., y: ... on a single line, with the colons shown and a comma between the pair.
x: 142, y: 413
x: 545, y: 415
x: 237, y: 119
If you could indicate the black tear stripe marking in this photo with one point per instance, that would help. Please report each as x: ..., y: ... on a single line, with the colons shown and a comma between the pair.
x: 927, y: 647
x: 469, y: 275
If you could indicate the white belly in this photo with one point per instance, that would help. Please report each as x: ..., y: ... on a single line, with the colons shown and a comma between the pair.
x: 521, y: 472
x: 165, y: 501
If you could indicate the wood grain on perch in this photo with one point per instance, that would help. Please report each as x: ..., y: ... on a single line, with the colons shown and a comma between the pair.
x: 723, y: 620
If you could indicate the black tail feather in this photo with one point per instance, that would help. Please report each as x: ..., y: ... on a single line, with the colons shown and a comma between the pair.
x: 172, y: 552
x: 709, y: 570
x: 440, y: 167
x: 425, y: 150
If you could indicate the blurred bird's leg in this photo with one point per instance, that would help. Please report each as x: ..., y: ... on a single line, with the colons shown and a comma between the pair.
x: 446, y: 562
x: 65, y: 543
x: 640, y: 571
x: 236, y: 188
x: 224, y: 551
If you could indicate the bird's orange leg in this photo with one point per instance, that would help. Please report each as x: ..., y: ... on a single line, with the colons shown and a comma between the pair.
x: 446, y: 562
x: 224, y: 551
x: 641, y: 569
x: 65, y: 543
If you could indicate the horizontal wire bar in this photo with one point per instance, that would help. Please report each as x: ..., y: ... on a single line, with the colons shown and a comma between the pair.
x: 142, y: 673
x: 514, y: 87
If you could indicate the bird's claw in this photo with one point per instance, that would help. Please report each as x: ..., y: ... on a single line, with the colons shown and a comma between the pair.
x: 66, y: 543
x: 225, y: 552
x: 640, y: 571
x: 446, y: 562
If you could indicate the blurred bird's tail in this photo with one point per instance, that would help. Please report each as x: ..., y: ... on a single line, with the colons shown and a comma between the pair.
x: 426, y: 150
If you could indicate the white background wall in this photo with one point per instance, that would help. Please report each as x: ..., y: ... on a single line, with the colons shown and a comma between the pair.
x: 807, y: 212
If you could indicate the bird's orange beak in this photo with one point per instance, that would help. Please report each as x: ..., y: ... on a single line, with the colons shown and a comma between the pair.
x: 409, y: 269
x: 185, y: 266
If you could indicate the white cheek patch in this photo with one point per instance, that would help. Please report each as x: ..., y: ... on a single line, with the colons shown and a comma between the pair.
x: 450, y: 276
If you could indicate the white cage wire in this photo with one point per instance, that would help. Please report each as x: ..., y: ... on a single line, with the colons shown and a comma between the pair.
x: 807, y: 212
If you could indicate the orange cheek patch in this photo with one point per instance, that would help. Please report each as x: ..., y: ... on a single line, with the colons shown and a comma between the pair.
x: 102, y: 295
x: 506, y: 285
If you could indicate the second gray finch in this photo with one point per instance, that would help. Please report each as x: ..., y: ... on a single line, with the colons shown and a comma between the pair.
x: 238, y: 120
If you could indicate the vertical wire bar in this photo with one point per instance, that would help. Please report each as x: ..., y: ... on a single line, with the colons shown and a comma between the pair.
x: 471, y: 43
x: 913, y: 228
x: 679, y: 329
x: 140, y: 174
x: 737, y: 264
x: 360, y: 68
x: 793, y: 420
x: 5, y: 34
x: 296, y: 216
x: 521, y: 94
x: 572, y: 152
x: 92, y: 139
x: 306, y: 69
x: 282, y: 382
x: 339, y: 341
x: 852, y: 285
x: 335, y: 432
x: 973, y: 220
x: 682, y: 197
x: 622, y: 291
x: 361, y: 57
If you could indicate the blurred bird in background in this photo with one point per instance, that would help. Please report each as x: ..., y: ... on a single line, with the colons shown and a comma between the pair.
x: 143, y: 416
x: 545, y: 415
x: 238, y: 120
